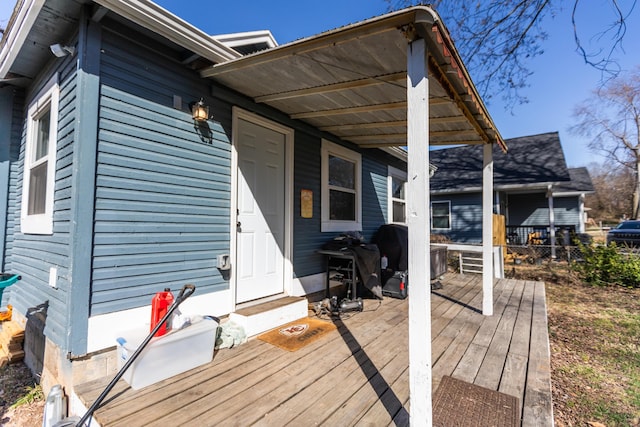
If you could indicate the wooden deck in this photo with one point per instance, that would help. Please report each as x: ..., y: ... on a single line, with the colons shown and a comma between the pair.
x: 358, y: 374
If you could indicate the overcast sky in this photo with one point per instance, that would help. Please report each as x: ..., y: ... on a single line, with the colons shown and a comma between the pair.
x: 560, y: 81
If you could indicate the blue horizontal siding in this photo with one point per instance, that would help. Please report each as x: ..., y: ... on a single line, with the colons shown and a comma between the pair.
x: 307, y: 235
x: 466, y: 218
x: 374, y: 195
x: 566, y: 211
x: 533, y: 209
x: 32, y: 256
x: 162, y: 208
x: 307, y: 238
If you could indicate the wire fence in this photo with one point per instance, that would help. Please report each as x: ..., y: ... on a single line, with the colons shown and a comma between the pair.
x: 463, y: 261
x: 537, y: 254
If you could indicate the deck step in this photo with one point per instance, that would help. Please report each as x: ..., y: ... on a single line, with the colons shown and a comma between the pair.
x: 266, y: 316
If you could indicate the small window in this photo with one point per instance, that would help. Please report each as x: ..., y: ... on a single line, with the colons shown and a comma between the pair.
x: 341, y: 195
x: 397, y: 181
x: 36, y: 216
x: 441, y: 215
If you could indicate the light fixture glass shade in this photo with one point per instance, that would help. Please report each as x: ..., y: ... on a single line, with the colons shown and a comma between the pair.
x: 200, y: 111
x: 60, y: 50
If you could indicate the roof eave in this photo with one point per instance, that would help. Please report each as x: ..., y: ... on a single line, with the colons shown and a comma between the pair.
x: 20, y: 23
x: 441, y: 37
x: 142, y: 12
x: 159, y: 20
x: 571, y: 193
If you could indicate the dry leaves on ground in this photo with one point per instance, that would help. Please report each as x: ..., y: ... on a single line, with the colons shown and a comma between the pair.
x: 16, y: 382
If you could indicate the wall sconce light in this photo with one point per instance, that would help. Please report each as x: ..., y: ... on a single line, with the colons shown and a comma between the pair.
x: 60, y: 50
x: 200, y: 111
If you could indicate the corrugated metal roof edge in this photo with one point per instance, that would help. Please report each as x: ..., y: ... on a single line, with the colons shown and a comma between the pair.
x: 423, y: 15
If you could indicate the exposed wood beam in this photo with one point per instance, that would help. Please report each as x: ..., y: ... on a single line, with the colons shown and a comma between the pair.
x: 393, y: 123
x: 439, y: 100
x: 446, y: 120
x: 457, y: 142
x: 363, y: 109
x: 382, y: 144
x: 351, y: 110
x: 352, y: 84
x: 355, y: 126
x: 357, y: 138
x: 445, y: 133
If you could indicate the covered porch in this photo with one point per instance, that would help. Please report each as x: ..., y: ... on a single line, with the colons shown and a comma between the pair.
x: 358, y: 374
x: 385, y: 83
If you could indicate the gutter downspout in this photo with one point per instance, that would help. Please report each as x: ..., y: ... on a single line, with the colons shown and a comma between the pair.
x: 6, y: 111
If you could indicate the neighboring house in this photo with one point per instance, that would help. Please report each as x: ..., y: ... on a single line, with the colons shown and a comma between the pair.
x: 140, y: 153
x: 531, y: 180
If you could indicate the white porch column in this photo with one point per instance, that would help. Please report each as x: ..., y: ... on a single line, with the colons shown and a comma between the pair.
x: 487, y: 230
x: 552, y: 223
x: 419, y: 234
x: 582, y: 216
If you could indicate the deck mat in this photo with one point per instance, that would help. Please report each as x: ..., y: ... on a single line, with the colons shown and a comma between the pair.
x: 459, y: 403
x: 297, y: 334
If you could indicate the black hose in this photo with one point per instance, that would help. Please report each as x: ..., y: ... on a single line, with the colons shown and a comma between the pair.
x: 183, y: 295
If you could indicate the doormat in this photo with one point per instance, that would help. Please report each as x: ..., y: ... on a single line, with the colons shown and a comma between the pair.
x: 459, y: 403
x: 295, y: 335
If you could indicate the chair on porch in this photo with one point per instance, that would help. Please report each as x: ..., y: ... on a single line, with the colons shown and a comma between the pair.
x: 537, y: 237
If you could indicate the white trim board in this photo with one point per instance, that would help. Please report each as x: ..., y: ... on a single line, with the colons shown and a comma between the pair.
x: 103, y: 329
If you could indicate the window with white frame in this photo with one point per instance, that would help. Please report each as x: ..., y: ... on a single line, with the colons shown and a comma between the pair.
x: 396, y: 190
x: 441, y: 215
x: 36, y: 215
x: 341, y: 188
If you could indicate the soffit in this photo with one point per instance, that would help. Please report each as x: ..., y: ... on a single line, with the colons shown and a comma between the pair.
x: 35, y: 26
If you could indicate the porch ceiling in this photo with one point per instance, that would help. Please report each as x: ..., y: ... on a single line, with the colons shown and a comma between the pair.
x: 352, y: 82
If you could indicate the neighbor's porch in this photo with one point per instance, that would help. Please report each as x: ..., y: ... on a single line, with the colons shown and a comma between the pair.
x: 359, y: 375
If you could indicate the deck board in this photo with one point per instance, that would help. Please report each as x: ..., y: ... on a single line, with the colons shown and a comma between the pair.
x: 358, y: 374
x: 537, y: 402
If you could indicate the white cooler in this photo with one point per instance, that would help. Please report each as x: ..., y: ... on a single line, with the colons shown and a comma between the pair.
x: 171, y: 354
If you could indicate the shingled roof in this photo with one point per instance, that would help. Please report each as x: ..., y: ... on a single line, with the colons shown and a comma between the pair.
x: 580, y: 182
x: 532, y: 162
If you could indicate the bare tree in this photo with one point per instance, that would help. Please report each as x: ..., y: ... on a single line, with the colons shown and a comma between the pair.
x: 610, y: 119
x: 613, y: 187
x: 498, y: 38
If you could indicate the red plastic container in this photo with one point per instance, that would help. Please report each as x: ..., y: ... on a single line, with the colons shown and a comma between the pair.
x: 159, y: 307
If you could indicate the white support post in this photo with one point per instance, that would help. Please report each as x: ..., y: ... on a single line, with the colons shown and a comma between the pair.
x: 419, y: 234
x: 582, y: 216
x: 552, y: 223
x: 487, y: 230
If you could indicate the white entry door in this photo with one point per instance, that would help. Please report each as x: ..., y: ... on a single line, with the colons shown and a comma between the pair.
x: 261, y: 211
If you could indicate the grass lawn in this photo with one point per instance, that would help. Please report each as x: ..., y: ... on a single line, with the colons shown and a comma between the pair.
x: 594, y: 334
